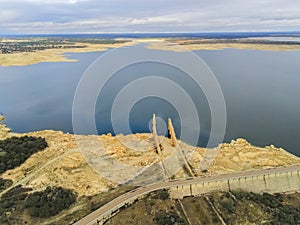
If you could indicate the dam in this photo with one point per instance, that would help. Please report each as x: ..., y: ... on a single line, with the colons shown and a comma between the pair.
x: 275, y: 180
x: 280, y: 180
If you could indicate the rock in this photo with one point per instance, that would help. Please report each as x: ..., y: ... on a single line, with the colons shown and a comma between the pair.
x: 240, y: 142
x: 3, y: 129
x: 224, y: 145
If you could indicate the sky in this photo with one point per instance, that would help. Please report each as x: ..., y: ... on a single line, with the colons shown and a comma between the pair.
x: 140, y: 16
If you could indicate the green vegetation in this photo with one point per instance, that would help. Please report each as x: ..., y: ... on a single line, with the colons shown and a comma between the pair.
x: 39, y: 44
x: 11, y: 203
x: 35, y: 45
x: 161, y: 194
x: 171, y: 218
x: 49, y: 202
x: 5, y: 183
x: 16, y: 204
x: 228, y: 205
x: 16, y: 150
x: 276, y: 205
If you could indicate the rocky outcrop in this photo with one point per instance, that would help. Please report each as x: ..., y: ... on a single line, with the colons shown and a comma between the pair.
x: 240, y: 155
x: 4, y: 130
x: 64, y: 163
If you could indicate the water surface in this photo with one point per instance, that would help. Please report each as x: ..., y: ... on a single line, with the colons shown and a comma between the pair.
x: 261, y: 89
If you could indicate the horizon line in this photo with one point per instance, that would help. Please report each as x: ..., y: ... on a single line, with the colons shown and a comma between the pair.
x: 132, y: 33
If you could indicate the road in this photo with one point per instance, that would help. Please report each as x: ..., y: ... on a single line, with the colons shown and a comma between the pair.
x: 134, y: 194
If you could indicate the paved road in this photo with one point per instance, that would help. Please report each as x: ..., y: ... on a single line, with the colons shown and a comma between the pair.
x: 92, y: 217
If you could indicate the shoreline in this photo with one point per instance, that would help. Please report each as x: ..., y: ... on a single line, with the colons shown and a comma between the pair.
x: 52, y: 55
x: 167, y: 44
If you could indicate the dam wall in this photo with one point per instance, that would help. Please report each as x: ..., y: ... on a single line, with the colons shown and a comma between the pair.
x: 275, y: 180
x: 272, y: 183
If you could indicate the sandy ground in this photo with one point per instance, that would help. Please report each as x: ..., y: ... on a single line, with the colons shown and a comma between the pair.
x: 70, y: 160
x: 182, y: 46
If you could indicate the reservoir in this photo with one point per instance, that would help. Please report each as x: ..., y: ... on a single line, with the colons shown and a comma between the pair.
x: 261, y: 91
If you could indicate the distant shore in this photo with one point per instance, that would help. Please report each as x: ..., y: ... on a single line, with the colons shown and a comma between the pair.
x: 53, y: 55
x: 48, y: 53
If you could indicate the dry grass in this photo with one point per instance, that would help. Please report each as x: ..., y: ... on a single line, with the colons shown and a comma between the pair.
x: 53, y: 55
x: 186, y: 45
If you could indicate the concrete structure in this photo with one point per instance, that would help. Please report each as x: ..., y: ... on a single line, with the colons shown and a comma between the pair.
x: 155, y: 138
x: 158, y: 148
x: 282, y: 179
x: 274, y: 182
x: 172, y: 133
x: 178, y: 148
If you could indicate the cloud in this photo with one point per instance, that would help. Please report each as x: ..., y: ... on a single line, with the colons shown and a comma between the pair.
x: 94, y: 16
x: 45, y: 1
x: 8, y: 15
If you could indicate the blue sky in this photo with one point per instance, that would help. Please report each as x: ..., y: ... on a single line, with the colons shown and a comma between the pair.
x: 119, y: 16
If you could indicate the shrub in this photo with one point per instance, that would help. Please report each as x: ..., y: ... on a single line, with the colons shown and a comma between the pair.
x: 164, y: 218
x: 229, y: 205
x: 49, y: 202
x: 17, y: 150
x: 5, y: 183
x: 163, y: 194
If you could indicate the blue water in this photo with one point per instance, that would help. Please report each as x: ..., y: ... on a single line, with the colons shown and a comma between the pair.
x: 261, y: 90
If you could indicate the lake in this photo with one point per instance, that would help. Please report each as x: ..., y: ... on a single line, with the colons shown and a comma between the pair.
x: 261, y: 91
